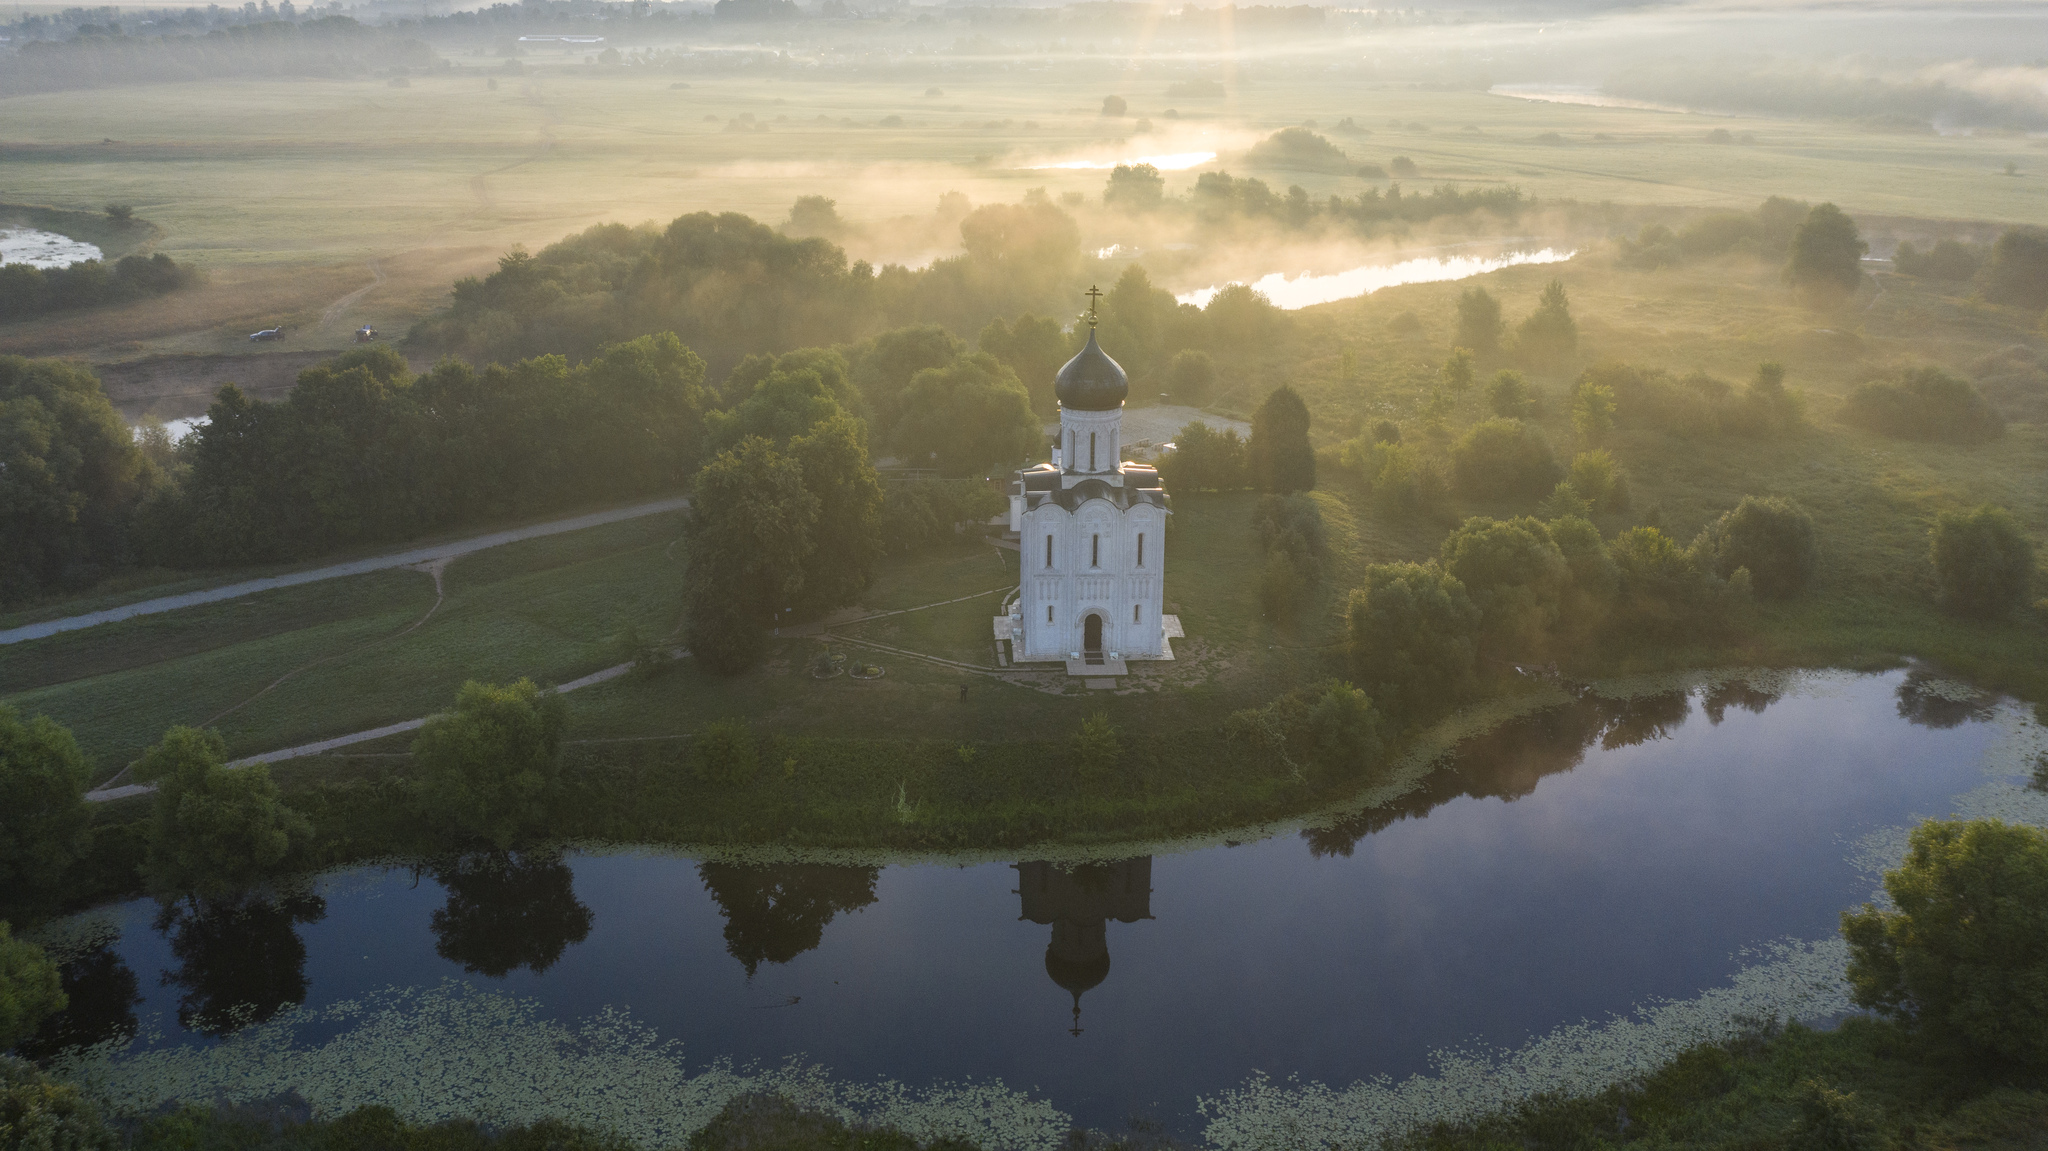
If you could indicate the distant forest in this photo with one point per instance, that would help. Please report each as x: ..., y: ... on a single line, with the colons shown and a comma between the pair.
x: 30, y: 291
x: 105, y: 55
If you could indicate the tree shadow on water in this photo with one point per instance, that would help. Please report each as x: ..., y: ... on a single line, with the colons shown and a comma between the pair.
x: 506, y: 911
x: 240, y: 960
x: 102, y: 995
x: 775, y: 913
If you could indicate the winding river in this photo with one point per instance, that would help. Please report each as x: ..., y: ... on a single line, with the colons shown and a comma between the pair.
x: 1588, y: 861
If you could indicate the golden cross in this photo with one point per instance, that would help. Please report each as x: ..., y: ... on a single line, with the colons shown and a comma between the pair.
x: 1093, y: 294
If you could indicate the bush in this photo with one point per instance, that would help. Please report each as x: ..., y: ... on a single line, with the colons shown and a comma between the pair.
x: 1279, y: 455
x: 1983, y: 562
x: 1190, y: 375
x: 1479, y: 322
x: 1664, y: 593
x: 1924, y: 404
x: 1947, y: 260
x: 1329, y: 730
x: 1826, y: 252
x: 1413, y: 635
x: 1965, y: 955
x: 726, y: 754
x: 1503, y: 458
x: 1095, y: 748
x: 1204, y: 458
x: 1283, y: 589
x: 1549, y: 336
x: 1771, y: 536
x: 1514, y: 574
x: 491, y: 768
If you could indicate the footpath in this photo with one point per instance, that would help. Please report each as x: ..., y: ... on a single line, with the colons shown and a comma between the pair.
x: 338, y: 571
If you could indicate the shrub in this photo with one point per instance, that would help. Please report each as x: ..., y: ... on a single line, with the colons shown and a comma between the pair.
x: 491, y: 768
x: 1965, y: 954
x: 1947, y: 260
x: 1456, y: 374
x: 1509, y: 396
x: 1771, y: 536
x: 1924, y: 404
x: 1983, y: 562
x: 1479, y: 322
x: 726, y: 754
x: 1206, y: 458
x: 1664, y: 594
x: 1599, y: 480
x: 1413, y: 636
x: 1096, y: 748
x: 1592, y: 412
x: 1502, y: 458
x: 1279, y: 455
x: 1190, y: 375
x: 1329, y: 728
x: 1283, y: 588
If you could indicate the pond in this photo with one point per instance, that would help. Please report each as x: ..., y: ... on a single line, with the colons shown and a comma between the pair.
x: 40, y: 249
x: 1583, y: 862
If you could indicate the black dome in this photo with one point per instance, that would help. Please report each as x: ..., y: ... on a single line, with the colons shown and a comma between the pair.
x: 1077, y: 975
x: 1091, y: 381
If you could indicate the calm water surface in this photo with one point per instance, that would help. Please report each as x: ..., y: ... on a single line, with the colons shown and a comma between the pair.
x: 1564, y: 867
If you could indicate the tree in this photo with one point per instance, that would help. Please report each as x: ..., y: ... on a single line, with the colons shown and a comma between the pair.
x: 2018, y: 271
x: 38, y: 1111
x: 1479, y: 322
x: 1501, y: 459
x: 1509, y: 397
x: 1772, y: 537
x: 121, y: 213
x: 1204, y: 458
x: 1095, y: 748
x: 967, y: 417
x: 42, y: 791
x: 884, y: 367
x: 491, y: 767
x: 1964, y: 957
x: 1413, y: 637
x: 1456, y: 374
x: 1190, y: 376
x: 1983, y: 562
x: 750, y: 535
x: 834, y: 457
x: 1515, y: 575
x: 1549, y: 336
x: 1280, y: 457
x: 1827, y: 252
x: 1033, y: 347
x: 30, y: 992
x: 814, y: 216
x: 1134, y: 188
x: 1114, y: 106
x: 214, y: 830
x: 1664, y: 593
x: 1599, y: 480
x: 1592, y: 412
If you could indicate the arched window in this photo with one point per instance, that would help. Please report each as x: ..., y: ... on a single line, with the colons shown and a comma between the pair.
x: 1091, y: 451
x: 1048, y: 551
x: 1141, y: 549
x: 1134, y: 612
x: 1095, y: 551
x: 1048, y: 613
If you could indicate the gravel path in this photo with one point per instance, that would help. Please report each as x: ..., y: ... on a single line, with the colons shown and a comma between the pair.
x: 337, y: 571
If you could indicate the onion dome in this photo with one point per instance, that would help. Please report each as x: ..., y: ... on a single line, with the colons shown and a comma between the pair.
x: 1091, y: 381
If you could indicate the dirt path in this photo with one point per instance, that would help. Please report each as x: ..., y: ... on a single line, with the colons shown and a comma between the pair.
x: 336, y: 309
x: 410, y: 558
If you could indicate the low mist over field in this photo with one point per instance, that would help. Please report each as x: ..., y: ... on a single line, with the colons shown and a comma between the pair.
x: 882, y: 575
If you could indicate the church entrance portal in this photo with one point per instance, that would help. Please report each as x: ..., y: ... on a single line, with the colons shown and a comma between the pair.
x: 1091, y: 638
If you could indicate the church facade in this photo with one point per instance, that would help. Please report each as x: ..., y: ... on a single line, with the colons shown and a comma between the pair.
x: 1091, y: 534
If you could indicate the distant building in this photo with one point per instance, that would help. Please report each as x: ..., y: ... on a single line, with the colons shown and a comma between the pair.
x: 1091, y: 535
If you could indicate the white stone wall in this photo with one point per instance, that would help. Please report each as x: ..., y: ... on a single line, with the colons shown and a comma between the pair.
x: 1083, y: 580
x: 1075, y: 430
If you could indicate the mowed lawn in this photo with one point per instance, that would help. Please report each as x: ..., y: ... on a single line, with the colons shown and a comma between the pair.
x: 550, y: 609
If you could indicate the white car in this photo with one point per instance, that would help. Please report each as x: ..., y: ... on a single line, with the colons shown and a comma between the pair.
x: 267, y: 334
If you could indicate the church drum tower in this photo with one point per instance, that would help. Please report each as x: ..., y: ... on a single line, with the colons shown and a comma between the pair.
x: 1091, y: 532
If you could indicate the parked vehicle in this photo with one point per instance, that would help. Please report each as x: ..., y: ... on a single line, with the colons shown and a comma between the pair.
x: 267, y: 334
x: 366, y: 335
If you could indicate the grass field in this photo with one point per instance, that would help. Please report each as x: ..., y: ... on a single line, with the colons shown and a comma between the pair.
x: 293, y: 195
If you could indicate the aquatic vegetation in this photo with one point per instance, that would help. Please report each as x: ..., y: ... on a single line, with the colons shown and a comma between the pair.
x: 453, y: 1052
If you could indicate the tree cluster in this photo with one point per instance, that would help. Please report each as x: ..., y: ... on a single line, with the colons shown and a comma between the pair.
x: 98, y: 56
x: 1634, y: 396
x: 363, y: 450
x: 1764, y: 233
x: 27, y: 291
x: 1296, y: 545
x: 1924, y: 404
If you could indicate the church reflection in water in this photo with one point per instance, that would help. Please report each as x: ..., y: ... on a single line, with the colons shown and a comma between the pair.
x: 1078, y: 902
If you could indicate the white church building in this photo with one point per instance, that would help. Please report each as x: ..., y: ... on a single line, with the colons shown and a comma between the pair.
x: 1091, y: 537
